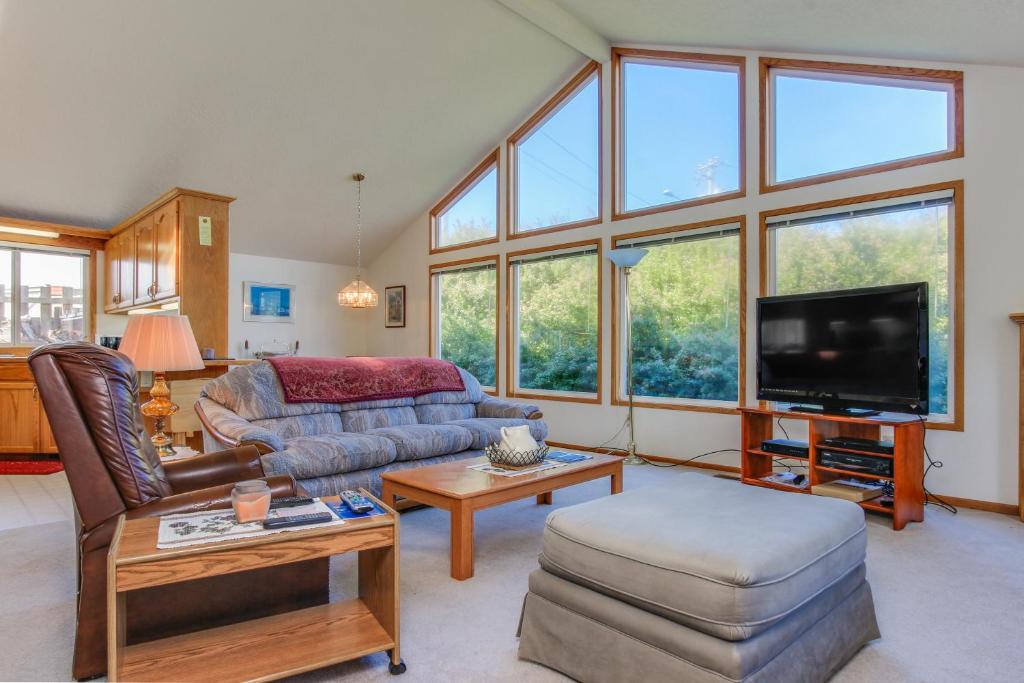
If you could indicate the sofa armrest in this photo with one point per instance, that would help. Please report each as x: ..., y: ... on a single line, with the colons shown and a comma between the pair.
x: 233, y: 431
x: 496, y: 407
x: 213, y: 498
x: 214, y: 469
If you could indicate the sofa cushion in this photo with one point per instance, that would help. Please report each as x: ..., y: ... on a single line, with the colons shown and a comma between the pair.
x: 725, y: 559
x: 317, y: 456
x: 253, y: 392
x: 473, y: 392
x: 414, y: 442
x: 302, y: 425
x: 487, y: 430
x: 375, y: 418
x: 436, y: 413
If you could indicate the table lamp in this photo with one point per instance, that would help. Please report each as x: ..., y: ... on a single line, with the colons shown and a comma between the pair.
x: 161, y: 344
x: 626, y: 259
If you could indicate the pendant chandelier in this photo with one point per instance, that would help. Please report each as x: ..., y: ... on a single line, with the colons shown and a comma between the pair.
x: 358, y: 294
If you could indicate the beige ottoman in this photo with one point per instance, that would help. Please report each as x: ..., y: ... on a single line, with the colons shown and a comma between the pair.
x: 702, y: 580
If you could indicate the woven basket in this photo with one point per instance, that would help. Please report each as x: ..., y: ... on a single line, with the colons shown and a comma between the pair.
x: 515, y: 460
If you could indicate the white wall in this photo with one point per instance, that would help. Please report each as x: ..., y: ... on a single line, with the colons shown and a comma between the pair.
x: 321, y: 326
x: 980, y: 462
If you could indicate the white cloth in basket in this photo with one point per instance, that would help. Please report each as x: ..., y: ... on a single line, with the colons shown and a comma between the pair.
x: 517, y: 439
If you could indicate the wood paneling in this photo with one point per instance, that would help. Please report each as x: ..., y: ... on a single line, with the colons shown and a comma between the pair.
x: 954, y: 78
x: 456, y: 193
x: 511, y: 344
x: 956, y: 270
x: 696, y: 59
x: 549, y: 109
x: 618, y: 362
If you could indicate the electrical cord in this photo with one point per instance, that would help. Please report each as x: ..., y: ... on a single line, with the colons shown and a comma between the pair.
x: 779, y: 422
x: 929, y: 497
x: 653, y: 463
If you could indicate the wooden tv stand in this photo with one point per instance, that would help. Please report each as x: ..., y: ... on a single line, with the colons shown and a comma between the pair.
x: 908, y: 466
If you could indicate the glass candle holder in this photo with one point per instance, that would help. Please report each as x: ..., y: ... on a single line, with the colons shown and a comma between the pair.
x: 251, y: 501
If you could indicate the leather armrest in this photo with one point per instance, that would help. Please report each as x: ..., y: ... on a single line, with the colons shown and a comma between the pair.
x: 213, y: 469
x: 213, y: 498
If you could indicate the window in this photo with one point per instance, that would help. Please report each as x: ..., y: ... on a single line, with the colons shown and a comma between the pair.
x: 679, y: 137
x: 555, y: 160
x: 555, y: 326
x: 42, y: 296
x: 465, y: 296
x: 907, y: 236
x: 686, y: 298
x: 824, y: 121
x: 468, y: 215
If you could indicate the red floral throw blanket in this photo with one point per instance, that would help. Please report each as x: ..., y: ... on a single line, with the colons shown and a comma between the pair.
x: 344, y: 380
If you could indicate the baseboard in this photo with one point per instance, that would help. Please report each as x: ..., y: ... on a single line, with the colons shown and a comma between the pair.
x: 647, y: 456
x: 968, y: 503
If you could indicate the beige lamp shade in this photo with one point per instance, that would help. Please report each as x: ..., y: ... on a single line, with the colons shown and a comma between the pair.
x: 161, y: 343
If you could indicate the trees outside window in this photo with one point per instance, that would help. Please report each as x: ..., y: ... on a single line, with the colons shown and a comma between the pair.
x: 466, y: 320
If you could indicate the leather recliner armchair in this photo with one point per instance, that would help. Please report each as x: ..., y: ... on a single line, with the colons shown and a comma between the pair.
x: 90, y: 394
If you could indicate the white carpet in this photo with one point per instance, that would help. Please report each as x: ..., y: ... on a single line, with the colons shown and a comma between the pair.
x: 949, y: 595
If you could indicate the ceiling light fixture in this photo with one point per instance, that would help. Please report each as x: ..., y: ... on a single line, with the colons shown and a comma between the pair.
x: 358, y: 294
x: 29, y: 231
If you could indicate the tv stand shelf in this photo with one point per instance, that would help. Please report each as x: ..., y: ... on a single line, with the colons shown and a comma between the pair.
x: 758, y: 424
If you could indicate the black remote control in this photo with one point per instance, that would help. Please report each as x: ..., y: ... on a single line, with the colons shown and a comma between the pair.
x: 297, y: 520
x: 292, y: 502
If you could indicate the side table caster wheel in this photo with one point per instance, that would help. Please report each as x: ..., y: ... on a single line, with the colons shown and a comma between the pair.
x: 397, y: 669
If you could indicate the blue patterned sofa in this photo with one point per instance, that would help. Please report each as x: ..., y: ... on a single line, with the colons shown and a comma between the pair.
x: 330, y: 447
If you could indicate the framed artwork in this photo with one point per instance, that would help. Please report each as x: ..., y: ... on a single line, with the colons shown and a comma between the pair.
x: 263, y: 302
x: 394, y: 306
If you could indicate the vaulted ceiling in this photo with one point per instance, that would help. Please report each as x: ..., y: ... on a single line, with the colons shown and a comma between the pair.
x: 105, y: 104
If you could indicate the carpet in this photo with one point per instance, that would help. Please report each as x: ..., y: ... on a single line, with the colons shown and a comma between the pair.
x: 949, y: 594
x: 30, y: 466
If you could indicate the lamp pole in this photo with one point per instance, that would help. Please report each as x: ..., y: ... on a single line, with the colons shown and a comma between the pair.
x: 632, y: 458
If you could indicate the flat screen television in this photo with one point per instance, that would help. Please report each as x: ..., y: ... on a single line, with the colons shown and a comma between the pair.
x: 854, y: 351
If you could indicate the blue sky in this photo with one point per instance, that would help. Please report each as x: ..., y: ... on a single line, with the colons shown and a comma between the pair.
x: 681, y: 126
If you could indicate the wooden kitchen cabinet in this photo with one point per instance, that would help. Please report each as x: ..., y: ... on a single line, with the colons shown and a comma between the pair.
x: 47, y: 444
x: 144, y: 251
x: 165, y: 252
x: 19, y: 417
x: 126, y: 269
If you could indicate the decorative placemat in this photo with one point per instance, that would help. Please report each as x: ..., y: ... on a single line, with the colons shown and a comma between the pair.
x: 196, y: 528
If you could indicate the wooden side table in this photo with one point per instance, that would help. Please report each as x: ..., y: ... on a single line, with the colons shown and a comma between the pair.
x: 260, y: 649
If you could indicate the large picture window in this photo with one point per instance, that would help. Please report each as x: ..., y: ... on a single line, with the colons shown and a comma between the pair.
x: 555, y: 161
x: 906, y: 236
x: 686, y: 299
x: 678, y: 131
x: 825, y: 121
x: 464, y: 297
x: 42, y: 296
x: 468, y: 215
x: 555, y: 322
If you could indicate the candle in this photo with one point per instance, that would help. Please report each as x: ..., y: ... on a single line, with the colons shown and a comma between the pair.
x: 251, y: 501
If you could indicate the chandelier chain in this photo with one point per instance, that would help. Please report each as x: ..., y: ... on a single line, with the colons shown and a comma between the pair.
x: 359, y: 229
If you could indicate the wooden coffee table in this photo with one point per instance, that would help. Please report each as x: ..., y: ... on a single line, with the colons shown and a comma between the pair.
x: 260, y: 649
x: 454, y: 487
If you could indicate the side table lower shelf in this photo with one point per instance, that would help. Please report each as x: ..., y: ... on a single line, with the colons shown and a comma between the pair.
x: 303, y: 640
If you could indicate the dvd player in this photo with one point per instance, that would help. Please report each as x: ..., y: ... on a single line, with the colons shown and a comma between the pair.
x: 872, y: 445
x: 855, y: 462
x: 796, y: 449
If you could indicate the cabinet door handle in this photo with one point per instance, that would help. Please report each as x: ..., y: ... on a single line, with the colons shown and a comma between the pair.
x: 35, y: 393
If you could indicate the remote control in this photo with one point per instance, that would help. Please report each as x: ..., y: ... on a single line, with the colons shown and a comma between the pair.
x: 297, y: 520
x: 357, y: 502
x: 292, y: 502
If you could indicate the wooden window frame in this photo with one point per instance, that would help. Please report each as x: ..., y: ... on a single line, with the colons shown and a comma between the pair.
x: 618, y: 139
x: 511, y: 344
x: 457, y: 193
x: 618, y: 363
x: 956, y: 424
x: 575, y: 85
x: 766, y: 126
x: 434, y: 330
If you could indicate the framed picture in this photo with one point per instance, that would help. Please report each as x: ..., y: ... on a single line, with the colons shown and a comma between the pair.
x: 394, y: 306
x: 263, y: 302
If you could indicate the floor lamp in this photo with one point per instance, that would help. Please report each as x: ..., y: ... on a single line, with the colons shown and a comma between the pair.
x: 626, y: 259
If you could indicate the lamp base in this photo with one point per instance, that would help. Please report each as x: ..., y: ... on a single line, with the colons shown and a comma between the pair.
x: 160, y: 407
x: 633, y: 458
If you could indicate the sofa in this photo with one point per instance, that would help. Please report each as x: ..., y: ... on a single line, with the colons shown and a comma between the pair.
x: 330, y: 447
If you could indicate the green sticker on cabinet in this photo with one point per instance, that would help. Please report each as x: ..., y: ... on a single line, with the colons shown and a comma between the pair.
x: 205, y: 231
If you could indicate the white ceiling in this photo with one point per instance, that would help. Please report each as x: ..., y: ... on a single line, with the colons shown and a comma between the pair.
x: 105, y: 104
x: 965, y: 31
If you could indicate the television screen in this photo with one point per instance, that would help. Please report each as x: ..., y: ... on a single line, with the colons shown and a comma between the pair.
x: 857, y: 348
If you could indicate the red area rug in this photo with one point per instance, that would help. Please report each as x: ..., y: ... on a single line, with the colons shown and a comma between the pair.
x: 30, y: 466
